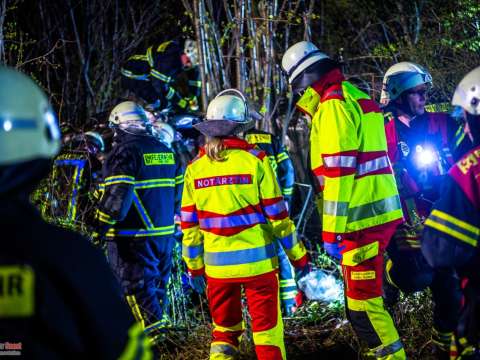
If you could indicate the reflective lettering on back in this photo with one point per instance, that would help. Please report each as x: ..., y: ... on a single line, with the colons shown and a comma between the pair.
x: 17, y: 291
x: 159, y: 159
x: 241, y: 179
x: 259, y: 138
x: 468, y: 161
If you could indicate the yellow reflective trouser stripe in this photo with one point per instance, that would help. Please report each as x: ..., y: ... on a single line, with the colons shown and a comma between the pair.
x: 382, y: 323
x: 137, y: 345
x: 359, y: 255
x: 105, y: 218
x: 137, y: 314
x: 287, y: 295
x: 287, y: 191
x: 287, y: 282
x: 362, y: 275
x: 453, y: 226
x: 273, y: 336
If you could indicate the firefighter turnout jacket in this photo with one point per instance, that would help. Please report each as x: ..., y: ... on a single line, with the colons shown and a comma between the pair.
x: 450, y: 240
x: 143, y: 185
x: 235, y: 205
x: 160, y: 66
x: 58, y: 297
x: 349, y: 158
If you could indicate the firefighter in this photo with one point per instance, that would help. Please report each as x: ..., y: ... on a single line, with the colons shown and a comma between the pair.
x: 52, y: 305
x: 232, y: 211
x: 75, y: 174
x: 142, y: 181
x: 361, y: 207
x: 419, y: 147
x: 165, y: 76
x: 283, y: 167
x: 452, y: 230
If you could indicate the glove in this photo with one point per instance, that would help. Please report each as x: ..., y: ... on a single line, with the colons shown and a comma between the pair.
x: 334, y: 249
x: 197, y: 283
x: 98, y: 240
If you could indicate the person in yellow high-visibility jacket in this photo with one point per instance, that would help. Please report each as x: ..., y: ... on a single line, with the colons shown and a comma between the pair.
x: 361, y: 207
x: 232, y: 213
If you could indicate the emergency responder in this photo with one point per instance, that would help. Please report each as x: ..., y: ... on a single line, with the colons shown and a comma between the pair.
x: 51, y: 304
x: 419, y: 149
x: 76, y: 171
x: 361, y: 207
x: 283, y: 167
x: 232, y: 210
x: 165, y: 76
x: 452, y: 230
x: 142, y: 182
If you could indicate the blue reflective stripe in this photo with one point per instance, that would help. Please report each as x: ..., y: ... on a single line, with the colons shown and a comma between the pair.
x: 192, y: 252
x: 289, y: 241
x: 275, y: 209
x: 8, y: 123
x: 142, y: 211
x: 189, y: 216
x: 238, y: 257
x: 232, y: 221
x: 255, y: 152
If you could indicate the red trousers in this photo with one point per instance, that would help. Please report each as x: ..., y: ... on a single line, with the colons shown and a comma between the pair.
x: 262, y: 294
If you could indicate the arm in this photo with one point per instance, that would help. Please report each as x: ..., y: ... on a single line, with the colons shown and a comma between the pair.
x: 192, y: 242
x: 452, y: 230
x: 276, y: 213
x: 286, y: 173
x: 119, y: 174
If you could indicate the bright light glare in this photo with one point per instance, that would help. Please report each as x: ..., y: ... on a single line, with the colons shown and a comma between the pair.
x: 7, y: 125
x: 425, y: 157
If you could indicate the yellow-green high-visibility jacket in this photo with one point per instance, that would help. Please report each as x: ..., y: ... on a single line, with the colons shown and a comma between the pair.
x: 232, y: 211
x: 349, y: 159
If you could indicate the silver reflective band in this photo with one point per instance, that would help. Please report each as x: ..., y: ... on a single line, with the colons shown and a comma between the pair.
x: 375, y: 208
x: 340, y: 161
x: 335, y: 208
x: 372, y: 165
x: 389, y: 349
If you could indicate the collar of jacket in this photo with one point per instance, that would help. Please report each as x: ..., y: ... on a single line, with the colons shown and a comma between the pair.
x: 232, y: 142
x: 331, y: 78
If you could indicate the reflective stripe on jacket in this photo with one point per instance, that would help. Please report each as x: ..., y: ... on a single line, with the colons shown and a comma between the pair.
x: 349, y: 159
x: 231, y: 212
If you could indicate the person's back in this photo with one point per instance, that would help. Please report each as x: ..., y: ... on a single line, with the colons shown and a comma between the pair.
x: 58, y: 298
x: 232, y: 210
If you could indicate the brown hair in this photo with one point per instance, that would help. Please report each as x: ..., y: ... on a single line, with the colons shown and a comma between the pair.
x: 214, y: 147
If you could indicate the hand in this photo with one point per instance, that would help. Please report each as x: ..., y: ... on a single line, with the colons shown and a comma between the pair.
x: 197, y: 283
x: 334, y: 249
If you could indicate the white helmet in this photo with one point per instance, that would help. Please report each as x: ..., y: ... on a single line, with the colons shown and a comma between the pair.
x: 299, y: 57
x: 163, y: 132
x: 467, y: 93
x: 401, y: 77
x: 96, y: 139
x: 227, y: 114
x: 190, y: 49
x: 28, y: 126
x: 129, y: 117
